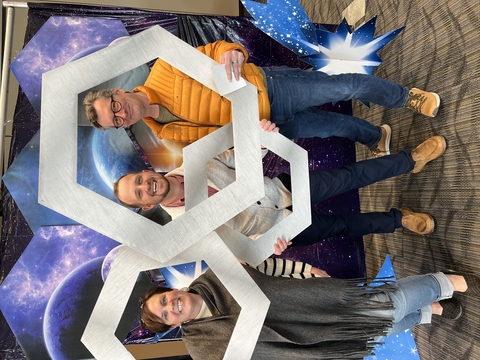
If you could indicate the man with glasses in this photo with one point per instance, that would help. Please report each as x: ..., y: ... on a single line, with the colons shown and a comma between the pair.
x: 178, y: 108
x: 118, y: 108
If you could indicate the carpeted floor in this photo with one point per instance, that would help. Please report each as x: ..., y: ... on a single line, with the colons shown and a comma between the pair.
x: 439, y: 50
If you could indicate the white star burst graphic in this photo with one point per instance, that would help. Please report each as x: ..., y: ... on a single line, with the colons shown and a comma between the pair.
x: 413, y: 350
x: 345, y: 51
x: 180, y: 276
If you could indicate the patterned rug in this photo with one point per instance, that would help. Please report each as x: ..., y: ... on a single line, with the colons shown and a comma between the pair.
x: 438, y: 51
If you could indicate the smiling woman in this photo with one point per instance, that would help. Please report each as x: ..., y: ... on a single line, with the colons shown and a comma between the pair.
x: 170, y: 306
x: 314, y: 318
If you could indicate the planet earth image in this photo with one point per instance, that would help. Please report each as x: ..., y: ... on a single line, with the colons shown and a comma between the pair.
x: 69, y: 309
x: 108, y: 261
x: 87, y: 51
x: 104, y: 156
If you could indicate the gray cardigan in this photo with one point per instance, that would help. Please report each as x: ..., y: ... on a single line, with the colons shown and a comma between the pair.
x: 316, y: 318
x: 256, y: 219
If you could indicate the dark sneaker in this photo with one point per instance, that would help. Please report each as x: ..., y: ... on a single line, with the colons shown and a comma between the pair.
x: 452, y: 309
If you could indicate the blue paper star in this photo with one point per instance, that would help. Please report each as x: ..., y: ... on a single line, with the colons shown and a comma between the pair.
x: 337, y: 52
x: 286, y: 22
x: 345, y: 51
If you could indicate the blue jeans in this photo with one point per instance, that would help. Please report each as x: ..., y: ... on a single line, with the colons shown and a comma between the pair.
x: 325, y: 184
x: 412, y: 298
x: 293, y: 93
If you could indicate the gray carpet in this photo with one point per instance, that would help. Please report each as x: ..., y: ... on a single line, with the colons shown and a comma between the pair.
x: 439, y: 50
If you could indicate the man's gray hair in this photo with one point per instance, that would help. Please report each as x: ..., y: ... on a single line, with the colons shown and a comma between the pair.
x: 90, y: 111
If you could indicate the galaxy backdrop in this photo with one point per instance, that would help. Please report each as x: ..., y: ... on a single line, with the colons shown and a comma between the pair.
x: 47, y: 292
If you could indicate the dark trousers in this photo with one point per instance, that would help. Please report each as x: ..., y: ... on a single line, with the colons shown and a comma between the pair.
x: 325, y: 184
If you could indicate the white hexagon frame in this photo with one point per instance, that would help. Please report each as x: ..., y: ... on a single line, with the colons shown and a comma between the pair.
x: 99, y: 335
x: 252, y: 252
x: 58, y: 188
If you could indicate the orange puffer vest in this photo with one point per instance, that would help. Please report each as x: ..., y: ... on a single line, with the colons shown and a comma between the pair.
x: 202, y: 109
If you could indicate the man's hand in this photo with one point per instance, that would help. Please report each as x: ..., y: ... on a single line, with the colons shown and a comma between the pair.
x: 281, y: 245
x: 268, y: 126
x: 233, y: 60
x: 318, y: 272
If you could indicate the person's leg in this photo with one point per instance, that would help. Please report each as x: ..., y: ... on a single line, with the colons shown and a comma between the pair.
x: 328, y: 225
x: 319, y: 123
x: 293, y: 90
x: 412, y: 298
x: 410, y: 321
x: 325, y: 184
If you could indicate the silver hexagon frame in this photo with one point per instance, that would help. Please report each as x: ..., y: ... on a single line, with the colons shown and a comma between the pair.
x: 99, y: 335
x: 58, y: 188
x: 252, y: 252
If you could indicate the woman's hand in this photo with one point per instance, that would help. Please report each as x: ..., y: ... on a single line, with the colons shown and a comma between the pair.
x: 280, y: 246
x: 319, y: 272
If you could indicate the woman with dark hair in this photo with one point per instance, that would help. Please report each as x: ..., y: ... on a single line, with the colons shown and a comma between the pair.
x: 314, y: 318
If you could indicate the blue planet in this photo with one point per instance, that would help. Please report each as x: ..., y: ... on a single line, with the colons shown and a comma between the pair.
x: 69, y: 309
x: 86, y: 52
x: 108, y: 261
x: 114, y: 155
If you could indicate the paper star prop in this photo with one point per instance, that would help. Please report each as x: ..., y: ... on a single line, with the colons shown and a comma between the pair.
x: 337, y: 52
x: 345, y: 51
x: 286, y: 22
x: 400, y: 346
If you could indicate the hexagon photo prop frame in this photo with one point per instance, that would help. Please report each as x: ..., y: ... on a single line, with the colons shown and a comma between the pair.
x: 99, y: 335
x: 58, y: 188
x: 254, y: 252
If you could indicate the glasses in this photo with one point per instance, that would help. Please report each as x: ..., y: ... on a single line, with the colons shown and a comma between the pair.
x: 116, y: 107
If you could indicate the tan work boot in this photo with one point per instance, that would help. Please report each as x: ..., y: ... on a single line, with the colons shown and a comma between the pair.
x: 420, y: 223
x: 427, y: 151
x: 423, y: 102
x: 383, y: 146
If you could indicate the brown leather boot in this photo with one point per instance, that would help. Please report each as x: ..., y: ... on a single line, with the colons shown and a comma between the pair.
x: 420, y: 223
x: 427, y: 151
x: 423, y: 102
x: 383, y: 146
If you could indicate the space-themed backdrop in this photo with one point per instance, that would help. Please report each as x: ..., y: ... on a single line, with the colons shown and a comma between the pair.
x: 52, y: 268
